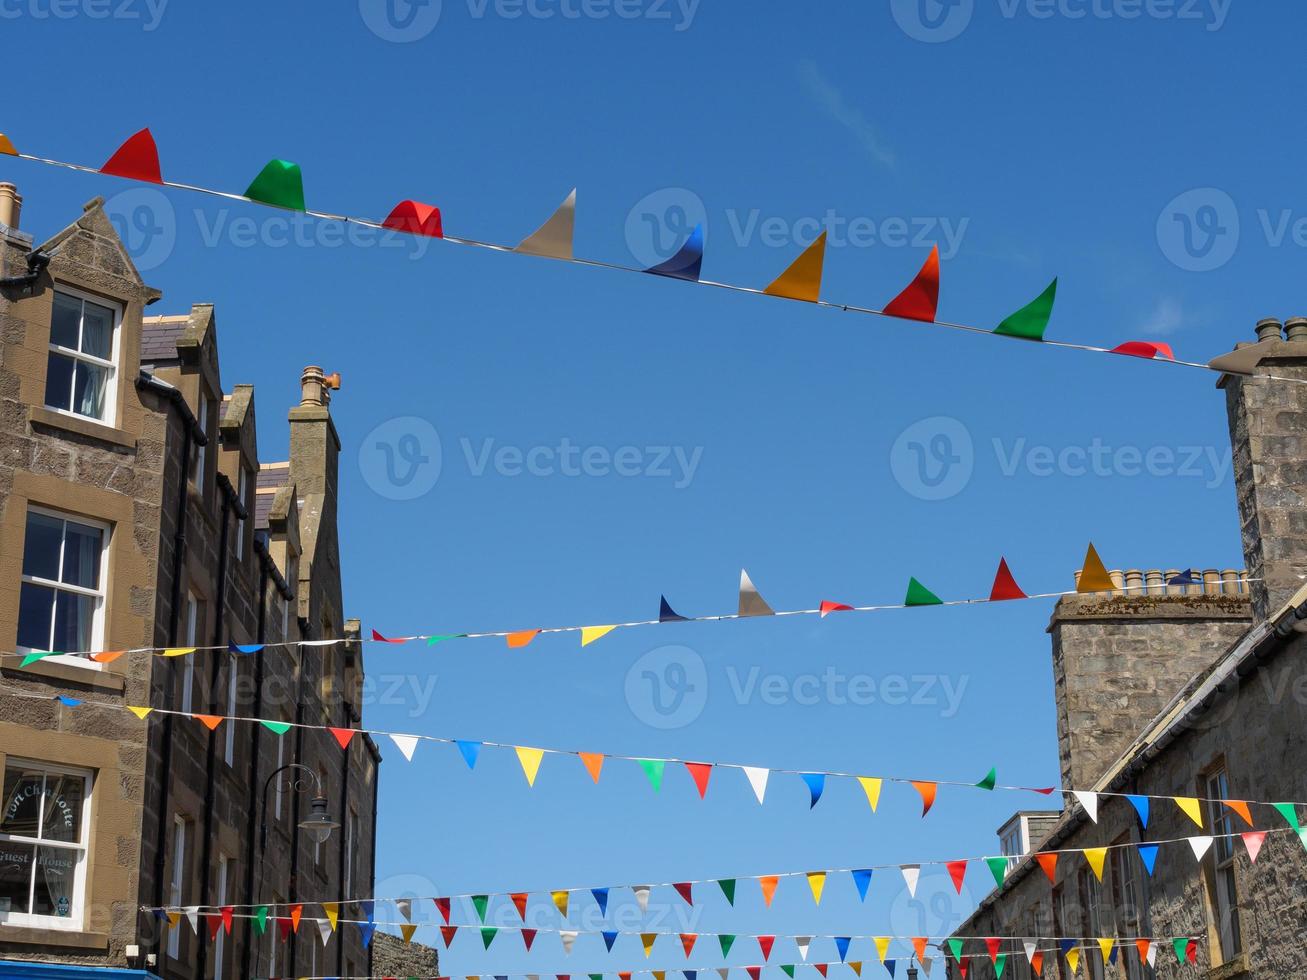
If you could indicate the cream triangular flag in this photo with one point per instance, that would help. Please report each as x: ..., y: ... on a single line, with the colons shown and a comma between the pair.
x: 751, y: 603
x: 911, y: 872
x: 568, y: 936
x: 324, y: 930
x: 817, y: 882
x: 757, y: 779
x: 641, y: 896
x: 591, y: 633
x: 1030, y: 948
x: 530, y: 759
x: 925, y: 962
x: 193, y: 917
x: 1152, y: 953
x: 802, y: 942
x: 406, y: 745
x: 1089, y: 801
x: 871, y: 786
x: 553, y: 239
x: 723, y: 972
x: 404, y: 906
x: 1191, y: 808
x: 1200, y: 846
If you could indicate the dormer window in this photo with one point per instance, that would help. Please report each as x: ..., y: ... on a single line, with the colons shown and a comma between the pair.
x: 81, y: 374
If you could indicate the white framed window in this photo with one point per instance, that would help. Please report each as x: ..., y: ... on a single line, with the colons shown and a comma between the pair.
x: 81, y: 369
x: 64, y: 577
x: 177, y: 882
x: 243, y: 494
x: 351, y: 829
x: 192, y: 629
x: 281, y: 761
x: 199, y: 453
x: 229, y: 747
x: 44, y: 828
x: 1222, y: 884
x: 219, y: 942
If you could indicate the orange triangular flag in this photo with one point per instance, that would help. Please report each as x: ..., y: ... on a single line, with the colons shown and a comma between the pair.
x: 406, y: 930
x: 1049, y: 863
x: 802, y: 280
x: 521, y: 638
x: 295, y: 912
x: 919, y: 944
x: 343, y: 736
x: 593, y: 762
x: 210, y: 721
x: 1094, y: 577
x: 927, y: 791
x: 1241, y: 808
x: 107, y: 656
x: 768, y: 884
x: 688, y: 939
x: 519, y: 900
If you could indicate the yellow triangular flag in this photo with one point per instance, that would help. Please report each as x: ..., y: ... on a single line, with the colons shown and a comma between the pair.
x: 139, y: 712
x: 882, y: 946
x: 1106, y: 946
x: 530, y: 759
x: 1096, y: 856
x: 591, y: 633
x: 1073, y: 957
x: 871, y: 786
x: 802, y: 280
x: 174, y: 918
x: 178, y: 651
x: 333, y: 913
x: 560, y: 900
x: 648, y: 939
x: 6, y: 146
x: 659, y: 974
x: 406, y: 929
x: 1094, y: 577
x: 1191, y: 808
x: 817, y: 882
x: 553, y: 239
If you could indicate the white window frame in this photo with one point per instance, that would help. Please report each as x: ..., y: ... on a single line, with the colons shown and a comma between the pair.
x: 351, y: 827
x: 188, y: 667
x: 242, y: 493
x: 219, y: 940
x: 102, y: 595
x: 281, y: 761
x: 177, y: 882
x: 73, y: 922
x: 201, y: 451
x: 229, y: 747
x: 110, y: 366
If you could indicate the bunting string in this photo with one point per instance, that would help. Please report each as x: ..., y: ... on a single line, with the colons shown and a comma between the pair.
x: 280, y: 186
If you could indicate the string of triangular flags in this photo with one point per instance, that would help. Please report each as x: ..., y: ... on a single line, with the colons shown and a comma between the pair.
x: 531, y: 759
x: 280, y: 185
x: 1094, y: 579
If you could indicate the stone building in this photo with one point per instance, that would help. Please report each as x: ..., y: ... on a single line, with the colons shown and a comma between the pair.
x: 135, y: 513
x: 1194, y: 691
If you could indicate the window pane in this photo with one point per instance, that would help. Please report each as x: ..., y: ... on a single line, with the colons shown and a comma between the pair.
x: 35, y: 607
x: 82, y: 555
x: 41, y: 547
x: 63, y: 323
x: 15, y: 876
x: 63, y: 807
x: 97, y: 331
x: 22, y: 803
x: 56, y: 869
x: 88, y: 390
x: 59, y: 381
x: 74, y: 615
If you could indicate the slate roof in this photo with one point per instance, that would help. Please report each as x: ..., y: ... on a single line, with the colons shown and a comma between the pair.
x: 159, y: 337
x: 270, y: 478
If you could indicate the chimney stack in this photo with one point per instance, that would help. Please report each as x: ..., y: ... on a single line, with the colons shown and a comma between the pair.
x: 11, y: 205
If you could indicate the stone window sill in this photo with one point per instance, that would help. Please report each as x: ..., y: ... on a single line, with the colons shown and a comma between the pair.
x: 80, y: 426
x: 66, y: 938
x: 105, y: 680
x: 1237, y: 967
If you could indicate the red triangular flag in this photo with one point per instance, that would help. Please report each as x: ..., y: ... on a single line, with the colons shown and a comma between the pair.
x: 753, y: 971
x: 963, y: 966
x: 528, y: 937
x: 137, y: 159
x: 519, y: 900
x: 343, y: 736
x: 688, y: 939
x: 828, y: 607
x: 1148, y: 349
x: 215, y: 923
x: 821, y: 968
x: 765, y: 944
x: 227, y: 912
x: 447, y: 933
x: 1005, y: 586
x: 383, y: 639
x: 700, y: 771
x: 686, y: 890
x: 283, y: 926
x: 921, y: 299
x: 992, y: 945
x: 415, y: 218
x: 957, y: 870
x: 443, y: 905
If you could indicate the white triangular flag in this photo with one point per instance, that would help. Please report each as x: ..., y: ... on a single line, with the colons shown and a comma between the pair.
x: 554, y: 237
x: 925, y: 962
x: 324, y: 930
x: 641, y: 896
x: 757, y: 779
x: 568, y: 937
x: 802, y: 942
x: 1200, y: 846
x: 1089, y: 801
x: 406, y: 744
x: 1030, y: 950
x: 723, y: 972
x: 911, y: 872
x: 405, y: 907
x: 193, y: 917
x: 1151, y: 955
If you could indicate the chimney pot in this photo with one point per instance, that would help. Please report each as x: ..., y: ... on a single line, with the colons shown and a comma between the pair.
x: 11, y: 205
x: 1268, y: 329
x: 1295, y: 329
x: 313, y: 390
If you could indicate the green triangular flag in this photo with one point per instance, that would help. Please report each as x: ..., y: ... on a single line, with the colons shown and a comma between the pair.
x: 1289, y: 812
x: 596, y: 976
x: 1031, y: 321
x: 998, y: 868
x: 727, y: 941
x: 479, y: 902
x: 1180, y: 945
x: 1000, y: 961
x: 277, y: 727
x: 32, y: 658
x: 919, y: 595
x: 956, y: 946
x: 261, y: 920
x: 990, y: 780
x: 728, y: 889
x: 653, y: 768
x: 433, y: 640
x: 279, y: 183
x: 789, y: 970
x: 488, y: 936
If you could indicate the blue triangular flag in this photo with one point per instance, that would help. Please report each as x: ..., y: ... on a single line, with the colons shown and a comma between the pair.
x: 1141, y: 806
x: 470, y: 752
x: 245, y: 648
x: 366, y: 929
x: 70, y: 702
x: 609, y: 939
x: 689, y: 974
x: 816, y: 783
x: 842, y: 946
x: 601, y: 896
x: 369, y: 909
x: 1184, y: 578
x: 666, y: 614
x: 1067, y: 945
x: 862, y: 879
x: 1111, y: 957
x: 1148, y: 854
x: 687, y: 262
x: 889, y: 965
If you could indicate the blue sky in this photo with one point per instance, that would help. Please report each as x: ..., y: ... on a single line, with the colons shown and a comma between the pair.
x: 1027, y: 145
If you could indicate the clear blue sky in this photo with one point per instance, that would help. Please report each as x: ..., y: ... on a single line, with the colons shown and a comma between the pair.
x: 1049, y: 146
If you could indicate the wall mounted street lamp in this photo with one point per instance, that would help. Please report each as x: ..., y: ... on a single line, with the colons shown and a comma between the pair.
x: 318, y: 824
